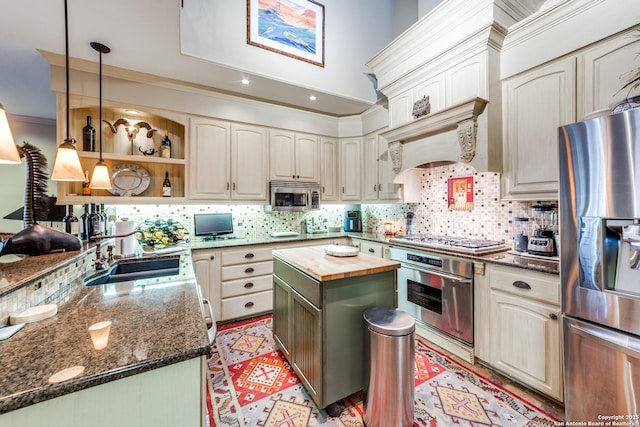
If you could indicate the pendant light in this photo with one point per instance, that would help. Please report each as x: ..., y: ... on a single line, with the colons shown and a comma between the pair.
x: 66, y: 166
x: 100, y: 179
x: 8, y: 151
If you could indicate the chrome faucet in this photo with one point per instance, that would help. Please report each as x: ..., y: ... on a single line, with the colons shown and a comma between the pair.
x: 99, y: 261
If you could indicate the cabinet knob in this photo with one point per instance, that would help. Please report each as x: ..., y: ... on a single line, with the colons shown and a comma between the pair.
x: 249, y: 255
x: 553, y: 316
x: 212, y: 257
x: 293, y: 177
x: 522, y: 285
x: 249, y: 270
x: 248, y: 305
x: 248, y: 285
x: 372, y: 250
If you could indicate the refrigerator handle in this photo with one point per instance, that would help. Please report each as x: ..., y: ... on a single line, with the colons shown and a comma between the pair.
x: 622, y: 343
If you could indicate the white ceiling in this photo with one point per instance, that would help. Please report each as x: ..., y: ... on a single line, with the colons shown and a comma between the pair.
x: 144, y: 36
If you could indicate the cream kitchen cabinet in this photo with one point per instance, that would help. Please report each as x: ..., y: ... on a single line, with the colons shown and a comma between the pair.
x: 245, y: 281
x: 535, y: 104
x: 228, y: 161
x: 378, y: 174
x: 350, y: 159
x: 329, y: 169
x: 206, y: 264
x: 372, y: 248
x: 294, y: 156
x: 603, y: 70
x: 518, y: 329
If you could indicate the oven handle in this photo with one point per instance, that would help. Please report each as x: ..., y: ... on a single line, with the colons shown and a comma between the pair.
x: 452, y: 277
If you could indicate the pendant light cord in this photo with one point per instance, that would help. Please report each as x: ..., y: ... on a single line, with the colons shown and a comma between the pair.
x: 66, y: 41
x: 100, y: 107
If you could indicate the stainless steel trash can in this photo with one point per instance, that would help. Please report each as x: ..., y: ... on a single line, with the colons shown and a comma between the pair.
x: 389, y: 363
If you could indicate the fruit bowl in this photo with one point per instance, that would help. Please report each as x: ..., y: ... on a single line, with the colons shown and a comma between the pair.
x: 160, y: 233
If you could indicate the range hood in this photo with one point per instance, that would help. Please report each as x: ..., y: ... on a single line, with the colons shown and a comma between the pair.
x: 449, y: 135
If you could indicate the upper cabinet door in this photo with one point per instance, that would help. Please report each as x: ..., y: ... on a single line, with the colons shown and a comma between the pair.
x: 329, y: 169
x: 603, y: 70
x: 282, y: 155
x: 249, y: 163
x: 209, y: 163
x: 350, y: 169
x: 536, y: 103
x: 307, y: 158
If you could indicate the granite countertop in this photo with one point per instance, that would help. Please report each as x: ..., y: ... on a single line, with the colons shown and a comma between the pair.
x: 551, y: 266
x: 313, y: 261
x: 155, y: 323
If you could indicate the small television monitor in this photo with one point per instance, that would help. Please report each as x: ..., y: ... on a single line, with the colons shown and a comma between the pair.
x: 212, y: 224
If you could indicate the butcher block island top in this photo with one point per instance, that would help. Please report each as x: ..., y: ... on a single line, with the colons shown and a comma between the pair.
x: 315, y: 262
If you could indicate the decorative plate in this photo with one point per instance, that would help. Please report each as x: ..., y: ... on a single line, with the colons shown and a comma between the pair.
x: 341, y: 250
x: 129, y: 180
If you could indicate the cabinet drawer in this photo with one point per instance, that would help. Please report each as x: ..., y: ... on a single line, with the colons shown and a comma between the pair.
x: 246, y: 255
x: 246, y: 305
x: 247, y: 270
x: 526, y: 283
x: 246, y: 286
x: 371, y: 249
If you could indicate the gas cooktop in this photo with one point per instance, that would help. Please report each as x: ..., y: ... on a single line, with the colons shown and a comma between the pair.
x: 449, y: 243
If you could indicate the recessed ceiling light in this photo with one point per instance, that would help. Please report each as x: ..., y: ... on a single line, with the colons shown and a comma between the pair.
x: 132, y: 111
x: 245, y: 81
x: 312, y: 98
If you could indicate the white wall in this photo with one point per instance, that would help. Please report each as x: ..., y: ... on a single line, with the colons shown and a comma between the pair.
x: 354, y: 31
x: 42, y: 134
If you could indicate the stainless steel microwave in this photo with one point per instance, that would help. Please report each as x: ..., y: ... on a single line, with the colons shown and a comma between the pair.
x: 294, y: 196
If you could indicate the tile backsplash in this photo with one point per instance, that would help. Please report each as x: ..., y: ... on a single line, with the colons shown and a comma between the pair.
x: 491, y: 218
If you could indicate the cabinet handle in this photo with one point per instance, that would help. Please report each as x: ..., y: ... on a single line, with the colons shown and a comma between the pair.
x: 249, y: 270
x: 323, y: 188
x: 249, y: 255
x: 248, y: 305
x: 372, y: 250
x: 553, y: 316
x: 374, y: 187
x: 248, y: 285
x: 522, y: 285
x: 234, y: 186
x: 227, y: 185
x: 342, y: 190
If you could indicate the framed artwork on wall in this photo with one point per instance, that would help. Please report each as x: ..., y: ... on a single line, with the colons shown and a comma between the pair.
x: 460, y: 193
x: 294, y: 28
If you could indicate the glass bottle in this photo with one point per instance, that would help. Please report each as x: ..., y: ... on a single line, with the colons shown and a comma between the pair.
x: 88, y: 136
x: 165, y: 147
x: 85, y: 224
x: 86, y: 190
x: 104, y: 219
x: 166, y: 186
x: 71, y: 223
x: 94, y: 221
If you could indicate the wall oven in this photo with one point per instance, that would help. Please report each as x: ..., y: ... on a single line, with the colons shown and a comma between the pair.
x: 294, y: 196
x: 436, y: 290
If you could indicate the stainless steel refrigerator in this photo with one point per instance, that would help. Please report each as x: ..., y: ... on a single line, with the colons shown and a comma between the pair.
x: 600, y: 267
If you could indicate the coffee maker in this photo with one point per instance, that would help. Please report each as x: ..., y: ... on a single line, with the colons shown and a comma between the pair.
x: 352, y: 218
x: 543, y: 241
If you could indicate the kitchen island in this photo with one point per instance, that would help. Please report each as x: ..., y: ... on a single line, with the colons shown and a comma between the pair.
x: 318, y: 302
x: 149, y: 374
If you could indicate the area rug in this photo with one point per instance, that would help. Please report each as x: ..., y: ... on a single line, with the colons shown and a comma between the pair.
x: 252, y: 384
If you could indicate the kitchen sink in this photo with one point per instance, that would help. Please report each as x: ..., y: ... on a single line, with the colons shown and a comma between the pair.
x: 135, y: 269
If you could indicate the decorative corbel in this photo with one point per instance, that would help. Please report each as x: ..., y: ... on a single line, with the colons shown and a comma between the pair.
x: 395, y: 152
x: 467, y: 132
